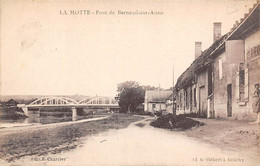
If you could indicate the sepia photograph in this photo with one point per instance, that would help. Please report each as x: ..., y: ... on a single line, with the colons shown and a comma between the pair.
x: 129, y: 82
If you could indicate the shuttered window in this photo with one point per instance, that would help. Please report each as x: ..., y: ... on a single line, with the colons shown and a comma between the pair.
x: 242, y: 94
x: 242, y: 85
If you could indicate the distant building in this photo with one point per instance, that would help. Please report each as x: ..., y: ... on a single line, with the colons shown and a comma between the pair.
x: 1, y: 103
x: 10, y: 103
x: 155, y: 100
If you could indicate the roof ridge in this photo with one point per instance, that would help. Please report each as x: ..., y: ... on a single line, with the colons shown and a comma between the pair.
x: 246, y: 15
x: 195, y: 65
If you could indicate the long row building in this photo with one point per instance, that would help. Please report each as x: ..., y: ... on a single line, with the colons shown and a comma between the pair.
x: 220, y: 82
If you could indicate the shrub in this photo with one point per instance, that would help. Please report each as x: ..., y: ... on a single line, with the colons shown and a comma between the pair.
x: 171, y: 121
x: 145, y: 113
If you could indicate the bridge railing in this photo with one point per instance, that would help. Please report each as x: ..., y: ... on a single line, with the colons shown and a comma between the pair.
x: 54, y: 101
x: 57, y: 101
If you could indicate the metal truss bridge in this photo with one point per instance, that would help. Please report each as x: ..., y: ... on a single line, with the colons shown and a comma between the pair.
x: 88, y: 102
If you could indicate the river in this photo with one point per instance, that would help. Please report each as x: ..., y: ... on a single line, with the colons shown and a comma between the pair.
x: 43, y: 117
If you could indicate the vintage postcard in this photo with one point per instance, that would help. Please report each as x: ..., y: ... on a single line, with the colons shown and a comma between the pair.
x: 129, y: 82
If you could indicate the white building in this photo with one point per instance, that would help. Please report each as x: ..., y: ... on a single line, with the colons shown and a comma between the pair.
x: 155, y: 100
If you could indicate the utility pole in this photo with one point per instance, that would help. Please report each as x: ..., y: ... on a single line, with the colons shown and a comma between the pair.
x: 173, y: 104
x: 160, y: 98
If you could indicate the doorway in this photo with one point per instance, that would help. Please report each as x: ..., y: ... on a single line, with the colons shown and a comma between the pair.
x: 191, y: 106
x: 202, y: 102
x: 229, y: 100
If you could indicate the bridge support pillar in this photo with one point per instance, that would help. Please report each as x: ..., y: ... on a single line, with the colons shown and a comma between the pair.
x: 24, y: 108
x: 85, y: 110
x: 39, y: 112
x: 74, y: 113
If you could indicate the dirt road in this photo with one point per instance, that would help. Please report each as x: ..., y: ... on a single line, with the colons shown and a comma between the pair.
x: 143, y: 145
x: 228, y: 134
x: 19, y: 142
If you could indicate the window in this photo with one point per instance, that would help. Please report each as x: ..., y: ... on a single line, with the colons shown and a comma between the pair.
x: 220, y: 68
x: 186, y: 99
x: 241, y: 77
x: 154, y: 106
x: 242, y: 85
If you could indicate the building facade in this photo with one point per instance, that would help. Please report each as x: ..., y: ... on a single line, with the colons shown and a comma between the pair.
x: 236, y: 70
x: 220, y: 81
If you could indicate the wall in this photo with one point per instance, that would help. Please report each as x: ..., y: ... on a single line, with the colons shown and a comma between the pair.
x: 183, y: 107
x: 187, y: 104
x: 180, y: 102
x: 169, y: 108
x: 220, y: 94
x: 220, y: 85
x: 145, y: 106
x: 194, y: 99
x: 157, y: 107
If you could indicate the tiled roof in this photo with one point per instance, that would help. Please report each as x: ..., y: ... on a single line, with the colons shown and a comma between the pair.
x: 12, y: 101
x: 156, y: 96
x: 170, y: 97
x: 246, y: 15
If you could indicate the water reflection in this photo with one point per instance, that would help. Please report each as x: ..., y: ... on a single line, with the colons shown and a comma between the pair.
x: 48, y: 117
x: 45, y: 117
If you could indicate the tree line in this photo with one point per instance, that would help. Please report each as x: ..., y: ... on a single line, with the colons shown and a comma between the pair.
x: 131, y: 94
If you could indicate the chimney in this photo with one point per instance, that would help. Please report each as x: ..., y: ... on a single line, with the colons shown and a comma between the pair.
x: 216, y: 31
x: 197, y: 49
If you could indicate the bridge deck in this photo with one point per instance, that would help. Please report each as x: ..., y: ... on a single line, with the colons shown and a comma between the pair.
x: 75, y: 105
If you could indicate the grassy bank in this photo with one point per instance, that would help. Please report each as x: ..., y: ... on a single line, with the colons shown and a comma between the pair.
x: 56, y: 139
x: 11, y: 113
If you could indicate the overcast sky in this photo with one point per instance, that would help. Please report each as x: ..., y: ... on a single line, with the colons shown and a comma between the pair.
x: 45, y: 52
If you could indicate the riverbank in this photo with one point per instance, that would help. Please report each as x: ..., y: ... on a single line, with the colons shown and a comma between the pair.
x: 56, y: 138
x: 11, y: 113
x: 36, y: 126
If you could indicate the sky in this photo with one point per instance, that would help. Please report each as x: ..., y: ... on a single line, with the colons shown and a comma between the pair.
x: 46, y: 52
